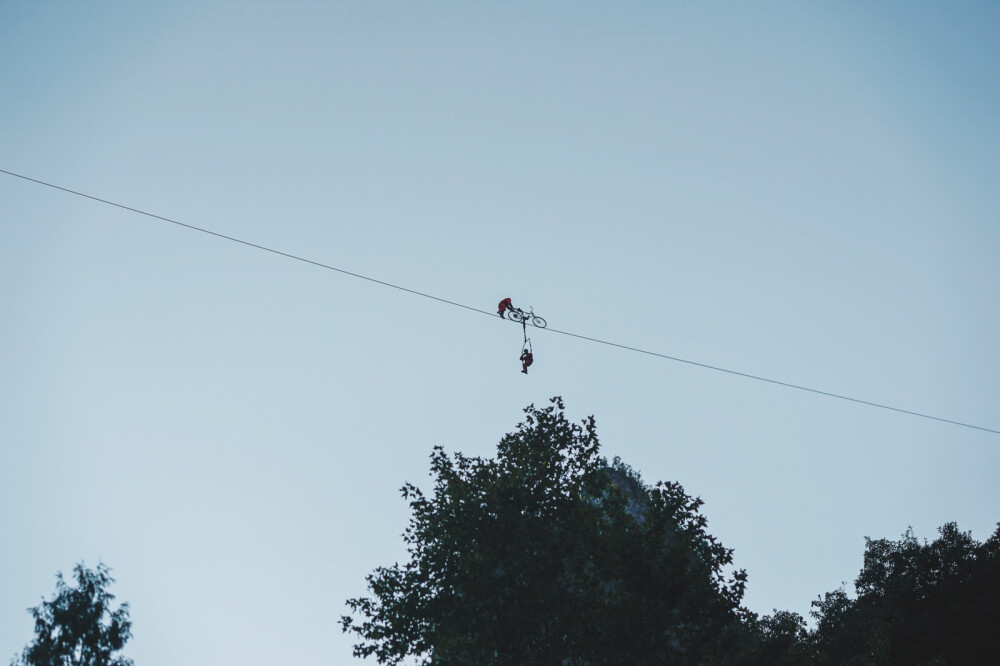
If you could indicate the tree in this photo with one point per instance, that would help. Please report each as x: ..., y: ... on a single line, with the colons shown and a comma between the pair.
x: 842, y: 634
x: 546, y: 554
x: 781, y: 640
x: 918, y: 603
x: 78, y: 627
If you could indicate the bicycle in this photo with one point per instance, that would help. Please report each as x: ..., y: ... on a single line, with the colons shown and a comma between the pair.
x: 521, y: 317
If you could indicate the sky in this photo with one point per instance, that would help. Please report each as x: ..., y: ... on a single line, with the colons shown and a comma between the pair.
x: 805, y: 192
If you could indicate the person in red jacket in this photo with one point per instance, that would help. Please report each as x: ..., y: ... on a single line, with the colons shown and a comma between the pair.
x: 526, y: 360
x: 505, y: 305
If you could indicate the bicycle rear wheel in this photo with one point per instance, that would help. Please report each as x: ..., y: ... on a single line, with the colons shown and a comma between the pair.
x: 539, y: 322
x: 514, y: 315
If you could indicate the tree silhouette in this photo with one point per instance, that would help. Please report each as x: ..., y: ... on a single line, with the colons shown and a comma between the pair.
x: 78, y: 627
x: 917, y: 603
x: 546, y: 554
x: 780, y: 639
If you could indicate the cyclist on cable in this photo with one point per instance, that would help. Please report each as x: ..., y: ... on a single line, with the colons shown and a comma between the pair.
x: 526, y: 360
x: 504, y: 305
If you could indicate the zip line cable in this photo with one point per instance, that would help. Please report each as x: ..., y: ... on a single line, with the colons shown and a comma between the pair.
x: 468, y: 307
x: 240, y: 241
x: 779, y: 383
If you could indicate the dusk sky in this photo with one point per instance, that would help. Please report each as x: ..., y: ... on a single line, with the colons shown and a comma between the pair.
x: 802, y: 191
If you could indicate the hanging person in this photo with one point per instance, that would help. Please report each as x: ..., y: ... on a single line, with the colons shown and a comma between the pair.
x: 526, y: 360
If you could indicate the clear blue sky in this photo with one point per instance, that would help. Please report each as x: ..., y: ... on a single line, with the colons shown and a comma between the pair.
x: 804, y: 191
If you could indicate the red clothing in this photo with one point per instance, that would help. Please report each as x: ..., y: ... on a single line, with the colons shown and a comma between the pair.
x: 528, y: 360
x: 505, y: 304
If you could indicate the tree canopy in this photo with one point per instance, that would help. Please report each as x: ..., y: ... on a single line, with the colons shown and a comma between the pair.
x: 78, y: 626
x: 917, y: 603
x: 547, y: 554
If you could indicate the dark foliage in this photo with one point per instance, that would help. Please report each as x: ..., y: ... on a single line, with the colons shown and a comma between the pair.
x: 918, y: 603
x: 777, y: 640
x: 78, y: 627
x: 548, y: 555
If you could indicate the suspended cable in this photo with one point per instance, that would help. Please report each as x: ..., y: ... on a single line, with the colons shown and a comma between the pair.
x: 242, y: 242
x: 468, y: 307
x: 775, y: 381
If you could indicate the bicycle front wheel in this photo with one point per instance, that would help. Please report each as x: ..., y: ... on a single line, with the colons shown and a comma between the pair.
x: 539, y: 322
